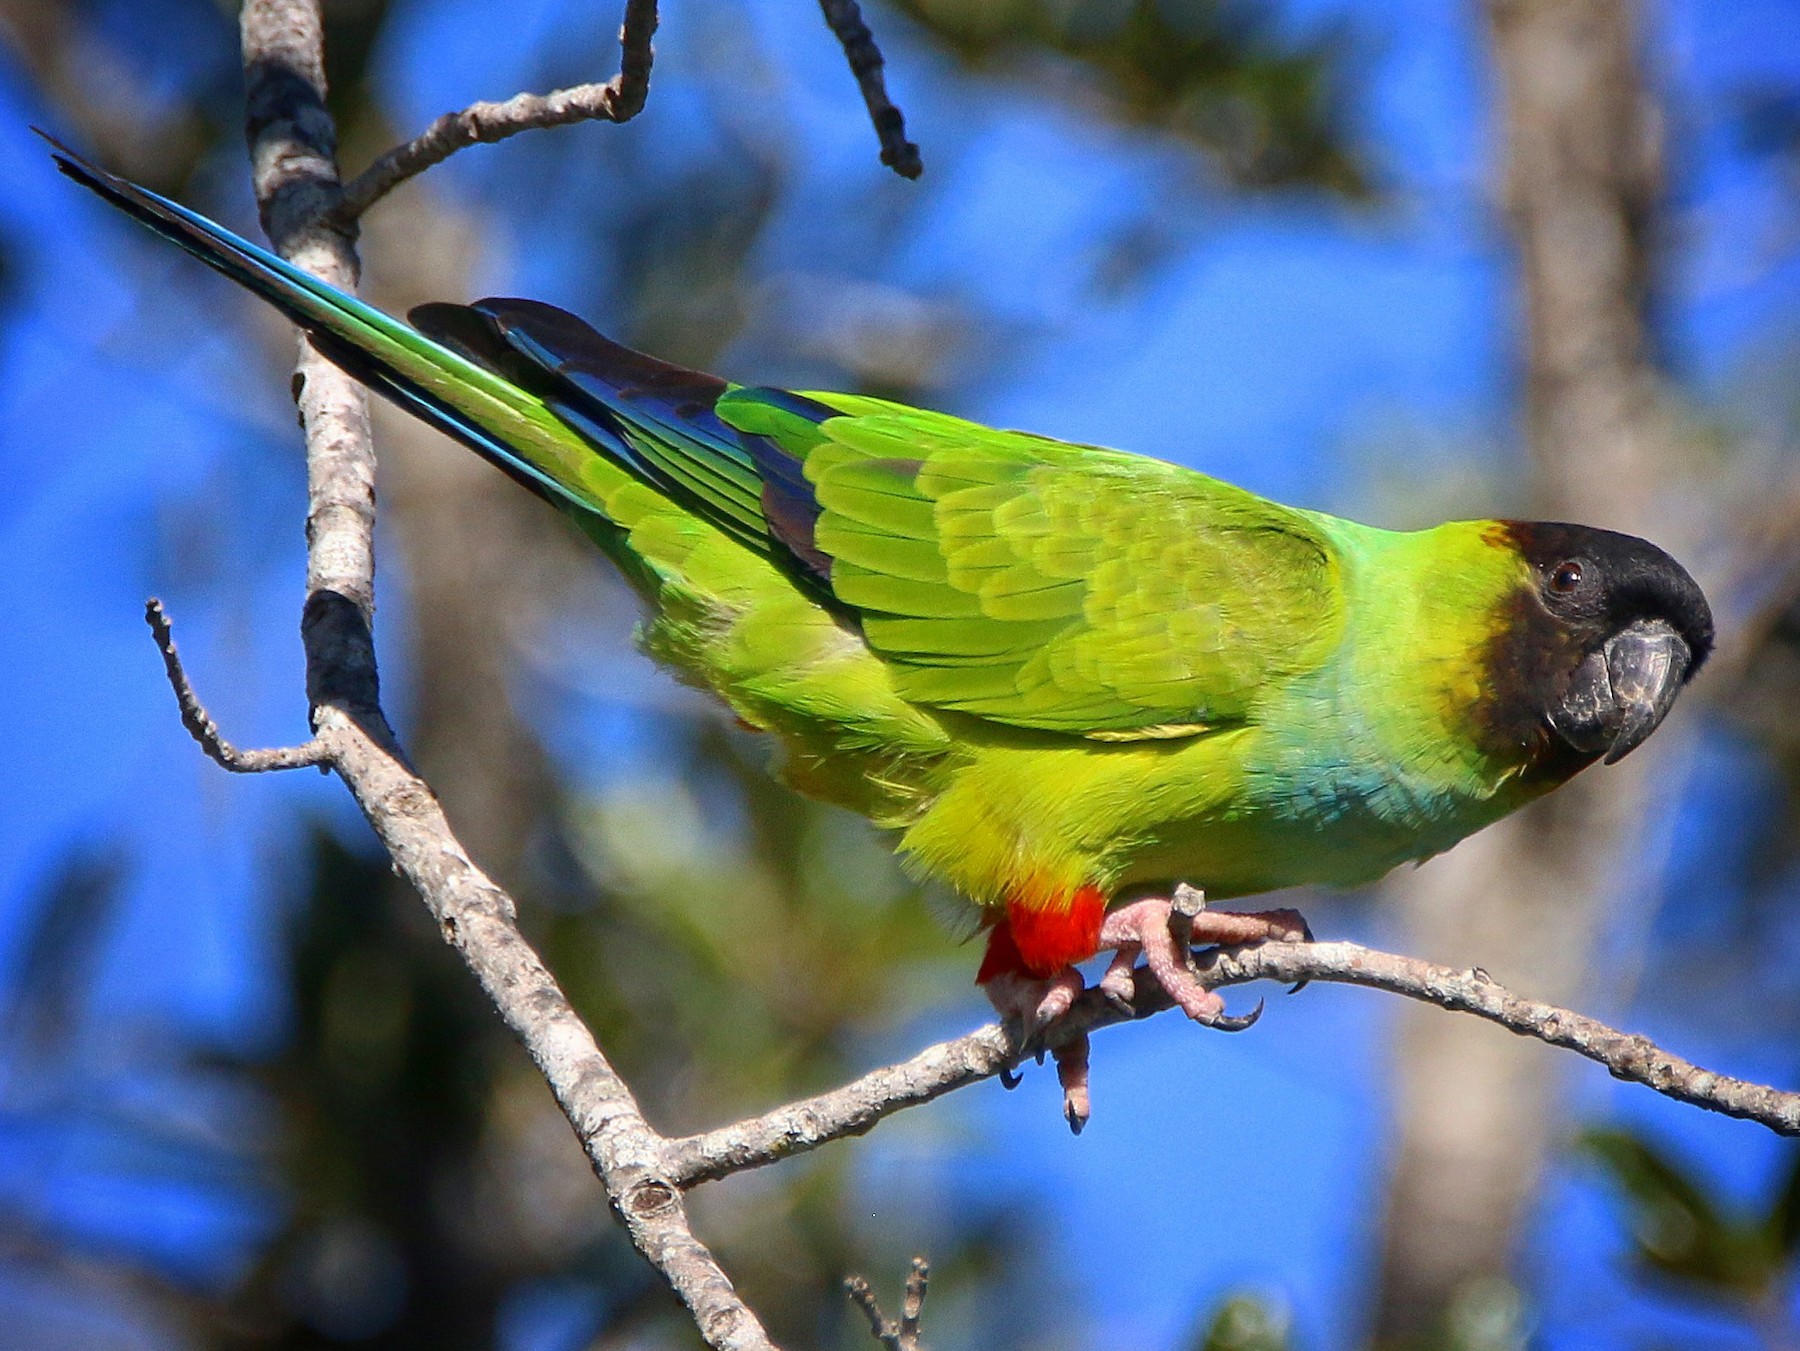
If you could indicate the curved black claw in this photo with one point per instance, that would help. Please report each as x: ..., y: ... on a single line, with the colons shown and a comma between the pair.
x: 1028, y: 1042
x: 1017, y: 1034
x: 1011, y: 1079
x: 1237, y: 1022
x: 1306, y: 936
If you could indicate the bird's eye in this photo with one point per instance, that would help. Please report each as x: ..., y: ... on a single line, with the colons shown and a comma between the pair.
x: 1565, y: 577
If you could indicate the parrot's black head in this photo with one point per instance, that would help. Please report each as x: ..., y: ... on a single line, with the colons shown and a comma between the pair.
x: 1604, y: 636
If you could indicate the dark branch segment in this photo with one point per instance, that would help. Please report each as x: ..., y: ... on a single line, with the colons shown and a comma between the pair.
x: 866, y: 63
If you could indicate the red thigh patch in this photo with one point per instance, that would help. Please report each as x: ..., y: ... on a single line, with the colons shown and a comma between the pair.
x: 1041, y: 940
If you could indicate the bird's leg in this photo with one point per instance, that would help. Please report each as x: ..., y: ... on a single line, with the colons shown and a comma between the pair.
x: 1028, y: 970
x: 1164, y: 931
x: 1028, y: 1001
x: 1027, y: 1007
x: 1029, y: 1004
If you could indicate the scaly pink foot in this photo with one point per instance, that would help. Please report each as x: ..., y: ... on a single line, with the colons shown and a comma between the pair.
x: 1156, y: 928
x: 1164, y: 932
x: 1028, y: 1007
x: 1031, y: 1004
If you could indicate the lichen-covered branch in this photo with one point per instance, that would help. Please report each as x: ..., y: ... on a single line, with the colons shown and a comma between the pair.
x: 859, y: 1105
x: 616, y: 100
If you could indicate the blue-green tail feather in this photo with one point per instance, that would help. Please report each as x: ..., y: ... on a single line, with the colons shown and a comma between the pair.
x: 473, y: 371
x: 345, y: 329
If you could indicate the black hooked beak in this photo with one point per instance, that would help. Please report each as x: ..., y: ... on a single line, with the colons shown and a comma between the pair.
x: 1647, y: 663
x: 1621, y: 693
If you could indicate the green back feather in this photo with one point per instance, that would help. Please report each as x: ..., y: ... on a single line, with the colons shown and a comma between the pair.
x: 1053, y: 586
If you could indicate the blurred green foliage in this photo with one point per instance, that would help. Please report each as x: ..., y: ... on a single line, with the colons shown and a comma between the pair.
x: 1684, y: 1234
x: 1486, y: 1314
x: 1247, y: 1322
x: 384, y: 1090
x: 1269, y: 109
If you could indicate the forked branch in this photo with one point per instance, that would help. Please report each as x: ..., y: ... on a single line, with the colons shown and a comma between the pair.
x: 291, y: 136
x: 616, y: 100
x: 901, y: 1334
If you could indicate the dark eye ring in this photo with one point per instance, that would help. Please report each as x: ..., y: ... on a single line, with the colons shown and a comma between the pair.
x: 1565, y: 577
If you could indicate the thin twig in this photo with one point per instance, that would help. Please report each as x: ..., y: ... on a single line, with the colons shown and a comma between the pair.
x: 617, y: 100
x: 200, y: 724
x: 904, y: 1334
x: 912, y: 1306
x: 866, y: 62
x: 859, y: 1105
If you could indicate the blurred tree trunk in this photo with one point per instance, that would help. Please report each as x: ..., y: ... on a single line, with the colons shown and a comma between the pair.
x: 1477, y: 1110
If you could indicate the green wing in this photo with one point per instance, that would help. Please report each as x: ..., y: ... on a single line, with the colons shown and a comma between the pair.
x: 1046, y: 585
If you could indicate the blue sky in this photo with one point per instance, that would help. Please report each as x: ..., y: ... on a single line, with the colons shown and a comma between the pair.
x: 1315, y: 352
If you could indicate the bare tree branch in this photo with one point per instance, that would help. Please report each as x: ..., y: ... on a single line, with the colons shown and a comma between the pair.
x: 859, y: 1105
x: 617, y: 100
x: 904, y: 1334
x: 866, y: 62
x: 292, y: 146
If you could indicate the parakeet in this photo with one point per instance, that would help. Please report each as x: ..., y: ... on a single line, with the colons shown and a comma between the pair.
x: 1067, y: 676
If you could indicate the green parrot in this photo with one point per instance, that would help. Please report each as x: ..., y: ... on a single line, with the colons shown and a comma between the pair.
x: 1067, y: 676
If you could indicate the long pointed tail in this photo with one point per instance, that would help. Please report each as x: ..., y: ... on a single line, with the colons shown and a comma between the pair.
x: 579, y: 419
x: 503, y: 421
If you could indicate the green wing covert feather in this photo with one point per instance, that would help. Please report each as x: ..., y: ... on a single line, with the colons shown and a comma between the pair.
x: 1047, y: 585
